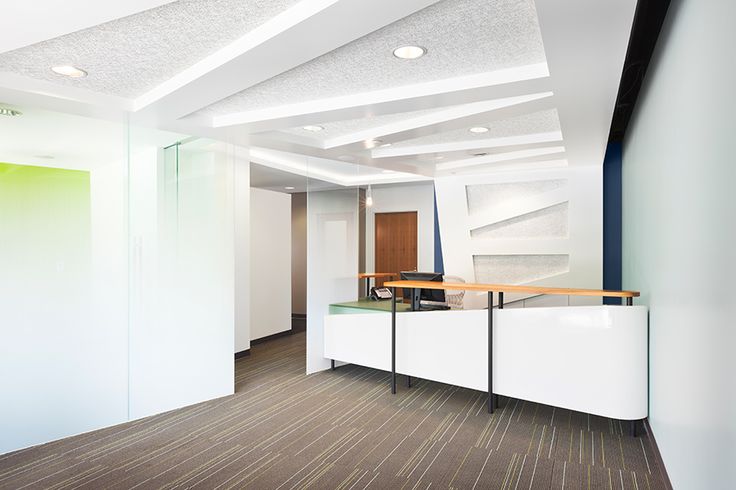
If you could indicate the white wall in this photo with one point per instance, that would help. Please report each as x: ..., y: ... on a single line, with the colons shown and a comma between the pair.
x: 417, y: 197
x: 539, y: 227
x: 270, y: 248
x: 679, y: 239
x: 332, y: 263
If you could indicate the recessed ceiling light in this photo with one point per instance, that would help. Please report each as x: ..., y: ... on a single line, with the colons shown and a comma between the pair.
x: 289, y: 188
x: 69, y: 71
x: 385, y: 145
x: 478, y: 129
x: 5, y: 111
x: 409, y: 52
x: 313, y: 129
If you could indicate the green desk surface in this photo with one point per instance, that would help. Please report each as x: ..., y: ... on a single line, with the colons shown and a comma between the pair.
x: 367, y: 306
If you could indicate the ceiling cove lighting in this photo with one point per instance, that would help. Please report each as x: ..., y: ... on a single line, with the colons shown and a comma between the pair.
x: 5, y: 111
x: 410, y: 52
x: 478, y: 130
x: 368, y: 197
x: 312, y: 128
x: 69, y: 71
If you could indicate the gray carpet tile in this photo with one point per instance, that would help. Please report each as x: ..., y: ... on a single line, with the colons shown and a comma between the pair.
x: 342, y: 429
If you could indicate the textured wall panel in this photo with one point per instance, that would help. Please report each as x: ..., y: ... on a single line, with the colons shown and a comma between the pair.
x: 518, y: 269
x: 551, y: 222
x: 482, y: 197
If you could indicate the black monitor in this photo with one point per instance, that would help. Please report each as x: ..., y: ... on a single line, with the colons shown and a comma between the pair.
x: 436, y: 297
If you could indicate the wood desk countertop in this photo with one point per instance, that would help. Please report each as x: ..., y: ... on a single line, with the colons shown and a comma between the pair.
x: 363, y: 275
x: 508, y: 288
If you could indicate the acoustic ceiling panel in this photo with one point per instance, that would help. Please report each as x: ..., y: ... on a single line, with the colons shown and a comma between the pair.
x: 129, y: 56
x: 462, y: 37
x: 536, y: 122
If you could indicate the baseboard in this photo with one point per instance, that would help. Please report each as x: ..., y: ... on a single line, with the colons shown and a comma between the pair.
x: 658, y: 455
x: 271, y: 337
x: 242, y: 353
x: 298, y: 323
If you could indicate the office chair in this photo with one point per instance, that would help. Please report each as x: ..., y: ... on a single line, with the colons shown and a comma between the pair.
x: 454, y: 298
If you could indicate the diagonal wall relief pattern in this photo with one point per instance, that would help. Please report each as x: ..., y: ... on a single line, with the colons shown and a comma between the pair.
x: 518, y: 269
x: 550, y: 222
x: 525, y: 211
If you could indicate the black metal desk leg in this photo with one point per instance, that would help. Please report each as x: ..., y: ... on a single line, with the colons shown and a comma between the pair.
x: 490, y: 352
x: 408, y: 381
x: 629, y: 301
x: 393, y: 341
x: 332, y: 364
x: 367, y: 287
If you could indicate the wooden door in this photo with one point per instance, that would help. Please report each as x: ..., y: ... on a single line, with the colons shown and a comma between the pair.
x: 396, y: 243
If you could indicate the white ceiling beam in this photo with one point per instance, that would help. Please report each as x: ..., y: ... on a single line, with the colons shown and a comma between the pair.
x: 499, y: 157
x: 42, y: 94
x: 274, y: 141
x: 469, y: 144
x: 442, y: 115
x: 26, y: 23
x: 585, y: 44
x: 271, y: 49
x: 499, y: 84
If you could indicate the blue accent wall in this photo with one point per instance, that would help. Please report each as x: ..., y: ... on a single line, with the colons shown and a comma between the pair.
x: 612, y: 223
x: 439, y: 265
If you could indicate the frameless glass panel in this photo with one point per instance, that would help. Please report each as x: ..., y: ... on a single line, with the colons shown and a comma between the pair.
x: 63, y: 276
x: 334, y: 244
x: 182, y: 279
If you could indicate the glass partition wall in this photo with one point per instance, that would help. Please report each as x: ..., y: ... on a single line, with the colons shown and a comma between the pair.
x: 116, y: 273
x: 334, y: 239
x: 63, y: 276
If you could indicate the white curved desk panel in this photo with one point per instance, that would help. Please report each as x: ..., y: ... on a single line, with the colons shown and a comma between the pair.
x: 591, y: 359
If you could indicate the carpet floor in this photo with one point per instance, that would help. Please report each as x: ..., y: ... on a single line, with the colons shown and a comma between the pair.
x: 343, y: 429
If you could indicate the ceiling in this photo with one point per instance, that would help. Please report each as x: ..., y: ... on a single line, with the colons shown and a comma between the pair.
x: 541, y: 76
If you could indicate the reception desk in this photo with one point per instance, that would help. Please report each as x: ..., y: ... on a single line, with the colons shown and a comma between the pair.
x: 591, y: 359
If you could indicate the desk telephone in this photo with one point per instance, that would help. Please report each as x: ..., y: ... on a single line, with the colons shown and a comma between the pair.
x: 380, y: 293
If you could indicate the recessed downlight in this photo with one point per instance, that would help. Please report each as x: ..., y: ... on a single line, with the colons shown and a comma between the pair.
x: 385, y: 145
x: 409, y: 52
x: 289, y: 188
x: 69, y: 71
x: 478, y: 129
x: 313, y: 128
x: 6, y: 111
